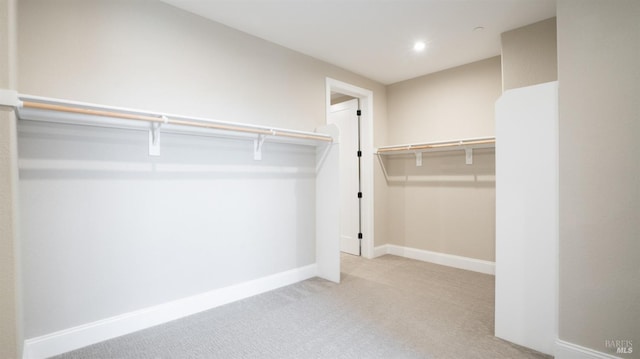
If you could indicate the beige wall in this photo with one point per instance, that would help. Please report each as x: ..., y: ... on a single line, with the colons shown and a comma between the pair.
x: 446, y: 206
x: 450, y: 104
x: 150, y: 55
x: 10, y: 327
x: 529, y: 55
x: 599, y: 114
x: 381, y: 198
x: 8, y: 309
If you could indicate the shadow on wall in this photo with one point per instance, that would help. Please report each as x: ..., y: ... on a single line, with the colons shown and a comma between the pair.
x: 110, y: 230
x: 67, y: 151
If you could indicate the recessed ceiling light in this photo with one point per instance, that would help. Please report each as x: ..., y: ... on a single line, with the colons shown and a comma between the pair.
x: 478, y: 28
x: 419, y: 46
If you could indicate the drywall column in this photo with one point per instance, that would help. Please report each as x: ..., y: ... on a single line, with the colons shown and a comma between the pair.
x: 529, y: 55
x: 526, y: 188
x: 527, y: 216
x: 9, y: 307
x: 599, y: 292
x: 328, y: 207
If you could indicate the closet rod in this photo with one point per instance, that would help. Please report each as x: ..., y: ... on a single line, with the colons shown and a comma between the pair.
x: 168, y: 120
x: 424, y: 146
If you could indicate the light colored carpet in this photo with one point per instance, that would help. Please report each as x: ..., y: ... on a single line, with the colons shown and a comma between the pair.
x: 389, y: 307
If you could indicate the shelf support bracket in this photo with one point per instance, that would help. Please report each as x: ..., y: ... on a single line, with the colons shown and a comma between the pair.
x: 154, y: 137
x: 384, y: 169
x: 418, y: 159
x: 468, y: 152
x: 257, y: 147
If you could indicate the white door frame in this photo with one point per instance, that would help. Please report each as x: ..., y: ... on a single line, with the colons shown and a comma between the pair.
x: 366, y: 143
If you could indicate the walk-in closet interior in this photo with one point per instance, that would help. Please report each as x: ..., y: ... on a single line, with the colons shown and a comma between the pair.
x: 157, y: 164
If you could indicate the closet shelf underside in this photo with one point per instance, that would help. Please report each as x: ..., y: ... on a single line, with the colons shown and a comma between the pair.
x: 35, y: 108
x: 467, y: 145
x: 450, y: 145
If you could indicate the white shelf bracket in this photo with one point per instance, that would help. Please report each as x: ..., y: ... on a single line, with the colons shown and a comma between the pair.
x: 154, y: 137
x: 468, y: 152
x: 9, y: 100
x: 418, y: 159
x: 257, y: 147
x: 382, y: 166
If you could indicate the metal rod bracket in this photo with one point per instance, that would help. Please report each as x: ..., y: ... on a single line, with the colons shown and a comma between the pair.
x: 257, y: 147
x: 154, y: 137
x: 468, y: 152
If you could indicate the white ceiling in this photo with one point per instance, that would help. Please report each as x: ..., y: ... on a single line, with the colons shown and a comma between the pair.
x: 374, y: 38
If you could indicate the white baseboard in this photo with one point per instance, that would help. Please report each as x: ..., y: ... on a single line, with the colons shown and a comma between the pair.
x: 77, y: 337
x: 566, y: 350
x: 472, y: 264
x: 380, y: 250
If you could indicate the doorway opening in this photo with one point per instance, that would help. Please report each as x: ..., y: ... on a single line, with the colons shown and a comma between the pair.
x: 351, y: 109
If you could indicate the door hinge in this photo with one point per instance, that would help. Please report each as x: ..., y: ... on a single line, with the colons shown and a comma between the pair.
x: 358, y: 113
x: 359, y: 235
x: 359, y: 194
x: 359, y: 153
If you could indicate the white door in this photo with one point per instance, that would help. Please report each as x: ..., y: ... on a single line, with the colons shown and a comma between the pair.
x: 344, y: 116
